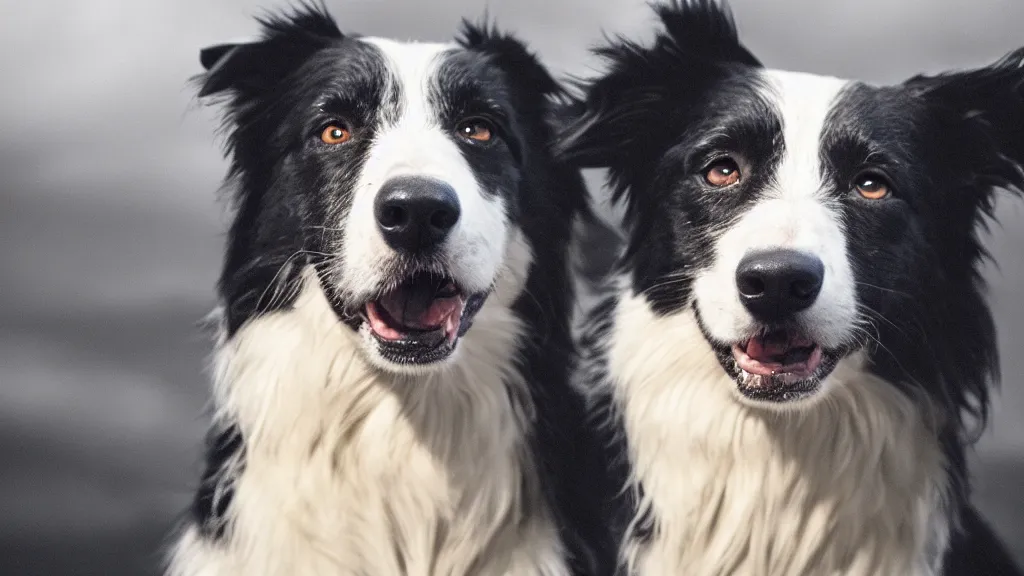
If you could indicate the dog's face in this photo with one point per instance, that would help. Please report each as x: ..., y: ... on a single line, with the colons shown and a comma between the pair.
x: 392, y: 168
x: 804, y: 218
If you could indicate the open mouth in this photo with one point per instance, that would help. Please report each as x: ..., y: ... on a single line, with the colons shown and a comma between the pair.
x: 420, y: 320
x: 779, y: 366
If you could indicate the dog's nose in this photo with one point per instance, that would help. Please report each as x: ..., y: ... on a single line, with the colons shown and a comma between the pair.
x: 416, y: 214
x: 776, y: 284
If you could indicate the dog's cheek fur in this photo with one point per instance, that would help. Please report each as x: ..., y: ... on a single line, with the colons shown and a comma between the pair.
x: 960, y: 134
x: 661, y: 258
x: 248, y: 78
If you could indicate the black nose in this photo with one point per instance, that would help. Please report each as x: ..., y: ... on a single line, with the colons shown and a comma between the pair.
x: 779, y: 283
x: 415, y: 214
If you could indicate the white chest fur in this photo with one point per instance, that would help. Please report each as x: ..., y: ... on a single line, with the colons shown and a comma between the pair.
x: 853, y: 485
x: 351, y: 472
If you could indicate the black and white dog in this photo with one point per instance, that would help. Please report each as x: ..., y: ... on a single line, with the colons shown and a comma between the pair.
x: 798, y: 347
x: 391, y: 390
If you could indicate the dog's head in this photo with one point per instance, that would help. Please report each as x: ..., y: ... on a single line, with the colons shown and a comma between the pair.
x: 804, y: 218
x: 393, y: 169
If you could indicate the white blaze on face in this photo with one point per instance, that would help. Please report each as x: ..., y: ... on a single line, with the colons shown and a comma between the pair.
x: 794, y: 213
x: 417, y: 144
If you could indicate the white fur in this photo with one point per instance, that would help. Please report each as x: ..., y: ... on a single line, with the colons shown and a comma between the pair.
x: 349, y: 470
x: 417, y: 145
x: 852, y: 485
x: 795, y: 214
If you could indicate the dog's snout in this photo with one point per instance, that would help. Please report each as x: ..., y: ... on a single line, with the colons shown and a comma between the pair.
x: 416, y: 214
x: 776, y: 284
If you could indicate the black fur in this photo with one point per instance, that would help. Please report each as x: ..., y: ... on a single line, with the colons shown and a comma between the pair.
x: 618, y: 503
x: 658, y: 115
x: 223, y: 446
x: 281, y: 186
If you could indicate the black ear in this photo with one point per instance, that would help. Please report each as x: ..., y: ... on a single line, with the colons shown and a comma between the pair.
x: 511, y: 55
x: 704, y: 30
x: 211, y: 55
x: 287, y: 40
x: 698, y: 41
x: 233, y: 66
x: 982, y: 112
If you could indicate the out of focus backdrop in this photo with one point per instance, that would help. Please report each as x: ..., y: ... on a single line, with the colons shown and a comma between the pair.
x: 111, y: 233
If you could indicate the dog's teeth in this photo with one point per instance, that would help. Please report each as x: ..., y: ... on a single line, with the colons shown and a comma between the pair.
x: 451, y: 327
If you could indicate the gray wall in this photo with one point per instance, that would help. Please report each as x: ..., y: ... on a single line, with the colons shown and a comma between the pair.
x: 110, y: 234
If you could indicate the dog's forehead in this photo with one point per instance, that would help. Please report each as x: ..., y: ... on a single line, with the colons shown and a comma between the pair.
x: 804, y: 103
x: 411, y: 62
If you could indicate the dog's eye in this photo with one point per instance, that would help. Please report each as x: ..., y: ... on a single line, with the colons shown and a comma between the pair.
x: 476, y: 129
x: 335, y: 134
x: 872, y: 186
x: 722, y: 173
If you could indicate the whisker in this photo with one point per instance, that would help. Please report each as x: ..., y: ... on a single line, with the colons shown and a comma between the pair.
x: 868, y: 311
x: 884, y: 289
x: 277, y: 296
x: 666, y: 283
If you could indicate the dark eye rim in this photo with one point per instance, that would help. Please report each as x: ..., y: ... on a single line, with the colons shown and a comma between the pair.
x: 492, y: 126
x: 717, y: 160
x: 876, y: 174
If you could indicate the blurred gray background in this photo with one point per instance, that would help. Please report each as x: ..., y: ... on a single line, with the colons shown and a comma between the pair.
x: 110, y: 235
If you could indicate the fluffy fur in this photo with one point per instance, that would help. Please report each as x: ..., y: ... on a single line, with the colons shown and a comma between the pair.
x: 329, y: 454
x: 857, y: 467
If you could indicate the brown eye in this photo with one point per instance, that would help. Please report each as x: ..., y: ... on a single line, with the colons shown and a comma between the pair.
x: 872, y: 186
x: 335, y: 134
x: 722, y: 173
x: 476, y: 129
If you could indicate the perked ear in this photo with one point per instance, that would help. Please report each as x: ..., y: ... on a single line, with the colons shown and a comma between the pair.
x: 287, y: 40
x: 233, y: 66
x: 698, y: 40
x: 983, y: 112
x: 211, y: 55
x: 509, y: 54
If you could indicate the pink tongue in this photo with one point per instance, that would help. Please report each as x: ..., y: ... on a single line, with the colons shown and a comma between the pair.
x: 418, y: 314
x: 763, y: 350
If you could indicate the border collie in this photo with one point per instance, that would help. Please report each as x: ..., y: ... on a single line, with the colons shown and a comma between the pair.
x: 798, y: 352
x: 392, y: 370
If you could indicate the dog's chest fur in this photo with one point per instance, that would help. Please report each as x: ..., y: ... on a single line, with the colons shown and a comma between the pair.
x: 347, y: 471
x: 851, y: 486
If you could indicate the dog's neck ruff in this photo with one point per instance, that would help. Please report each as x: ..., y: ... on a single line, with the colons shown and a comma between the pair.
x: 853, y: 485
x: 348, y: 470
